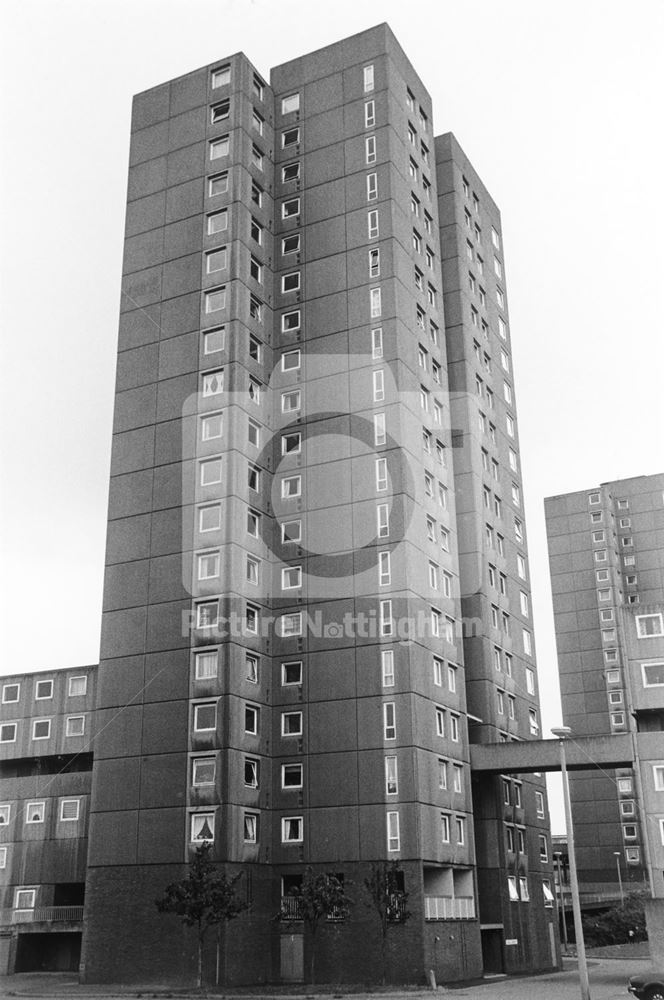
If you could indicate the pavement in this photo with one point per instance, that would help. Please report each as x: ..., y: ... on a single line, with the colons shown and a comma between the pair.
x: 608, y: 981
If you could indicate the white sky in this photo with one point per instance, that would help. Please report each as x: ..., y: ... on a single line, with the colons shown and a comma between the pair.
x: 559, y: 107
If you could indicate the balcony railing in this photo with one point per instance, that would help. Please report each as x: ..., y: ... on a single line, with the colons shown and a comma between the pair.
x: 291, y: 908
x: 449, y: 908
x: 47, y: 914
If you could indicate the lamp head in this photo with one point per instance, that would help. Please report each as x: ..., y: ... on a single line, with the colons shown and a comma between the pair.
x: 561, y: 732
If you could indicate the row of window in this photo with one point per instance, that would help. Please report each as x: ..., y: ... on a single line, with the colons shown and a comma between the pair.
x: 76, y: 687
x: 41, y: 728
x: 206, y: 667
x: 35, y: 812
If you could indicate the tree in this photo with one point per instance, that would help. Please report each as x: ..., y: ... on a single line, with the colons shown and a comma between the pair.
x: 618, y: 925
x: 204, y: 898
x: 320, y: 896
x: 388, y: 899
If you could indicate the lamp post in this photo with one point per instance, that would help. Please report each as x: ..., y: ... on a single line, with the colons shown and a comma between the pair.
x: 620, y: 883
x: 559, y: 855
x: 562, y: 733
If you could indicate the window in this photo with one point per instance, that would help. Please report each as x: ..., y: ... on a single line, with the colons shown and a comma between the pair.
x: 533, y: 722
x: 653, y: 674
x: 206, y: 665
x: 208, y: 565
x: 460, y: 827
x: 445, y: 828
x: 648, y: 626
x: 215, y: 299
x: 291, y: 401
x: 41, y: 729
x: 251, y: 719
x: 3, y: 857
x: 372, y: 224
x: 220, y: 76
x: 69, y: 810
x: 291, y: 531
x: 24, y: 899
x: 251, y: 668
x: 382, y: 520
x: 391, y: 778
x: 625, y: 786
x: 440, y: 721
x: 290, y: 321
x: 43, y: 690
x: 530, y: 680
x: 292, y: 830
x: 290, y: 361
x: 369, y: 114
x: 214, y: 340
x: 291, y: 673
x: 35, y: 812
x: 386, y: 622
x: 629, y: 830
x: 75, y: 725
x: 291, y: 486
x: 218, y: 112
x: 207, y: 614
x: 377, y: 343
x: 205, y: 717
x: 202, y: 827
x: 291, y: 723
x: 543, y: 848
x: 380, y: 433
x: 203, y: 771
x: 370, y: 149
x: 389, y: 721
x: 368, y: 78
x: 291, y: 624
x: 251, y: 618
x: 523, y: 889
x: 393, y: 838
x: 442, y: 774
x: 375, y: 301
x: 387, y: 667
x: 11, y: 693
x: 290, y: 208
x: 290, y: 244
x: 291, y: 776
x: 220, y: 147
x: 381, y: 474
x: 457, y: 771
x: 291, y: 577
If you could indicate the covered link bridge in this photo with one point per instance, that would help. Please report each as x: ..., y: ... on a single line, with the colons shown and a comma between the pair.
x: 583, y: 753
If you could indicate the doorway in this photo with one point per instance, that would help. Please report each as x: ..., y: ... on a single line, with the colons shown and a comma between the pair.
x: 292, y: 958
x: 492, y: 950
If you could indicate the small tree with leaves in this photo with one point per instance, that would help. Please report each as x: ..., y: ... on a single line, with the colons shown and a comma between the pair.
x: 204, y: 898
x: 388, y: 899
x: 320, y: 896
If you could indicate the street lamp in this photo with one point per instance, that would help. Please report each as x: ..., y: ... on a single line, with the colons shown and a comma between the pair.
x: 563, y: 733
x: 559, y: 855
x: 620, y: 883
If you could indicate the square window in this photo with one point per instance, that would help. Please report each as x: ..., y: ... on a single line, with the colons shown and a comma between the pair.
x: 75, y: 725
x: 291, y: 723
x: 290, y: 103
x: 291, y: 531
x: 5, y: 814
x: 214, y: 340
x: 41, y: 729
x: 291, y: 443
x: 35, y: 812
x: 205, y: 717
x: 209, y: 518
x: 290, y: 172
x: 221, y: 111
x: 202, y: 828
x: 203, y: 771
x: 218, y: 184
x: 291, y: 486
x: 11, y: 693
x: 206, y: 665
x: 290, y: 321
x: 291, y: 625
x: 653, y: 674
x: 69, y: 810
x: 291, y: 776
x: 290, y: 244
x: 220, y: 77
x: 291, y: 673
x: 8, y: 732
x: 43, y: 690
x: 211, y: 427
x: 24, y: 899
x: 220, y: 147
x: 291, y: 137
x: 292, y: 830
x: 291, y: 577
x: 290, y: 208
x: 207, y: 614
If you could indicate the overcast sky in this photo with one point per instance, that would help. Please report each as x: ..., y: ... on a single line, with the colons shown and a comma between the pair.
x: 559, y: 107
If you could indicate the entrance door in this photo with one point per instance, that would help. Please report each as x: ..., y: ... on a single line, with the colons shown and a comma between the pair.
x: 492, y: 950
x: 292, y: 958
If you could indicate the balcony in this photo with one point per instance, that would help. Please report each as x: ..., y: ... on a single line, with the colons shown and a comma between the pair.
x: 291, y: 908
x: 42, y: 914
x: 449, y: 908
